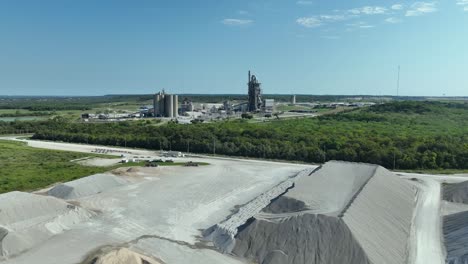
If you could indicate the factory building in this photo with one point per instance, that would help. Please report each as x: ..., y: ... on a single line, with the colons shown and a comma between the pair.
x: 255, y: 94
x: 228, y: 107
x: 165, y: 105
x: 269, y: 105
x: 186, y: 106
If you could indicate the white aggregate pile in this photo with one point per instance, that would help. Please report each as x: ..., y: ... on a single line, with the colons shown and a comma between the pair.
x: 27, y: 220
x: 331, y: 187
x: 351, y: 213
x: 86, y: 186
x: 380, y: 217
x: 223, y: 233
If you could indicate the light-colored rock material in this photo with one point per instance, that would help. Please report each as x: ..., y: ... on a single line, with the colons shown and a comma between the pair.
x: 27, y: 219
x: 86, y: 186
x: 341, y: 213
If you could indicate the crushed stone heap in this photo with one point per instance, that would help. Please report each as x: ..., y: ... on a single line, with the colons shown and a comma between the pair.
x: 456, y: 225
x: 340, y: 213
x: 456, y: 192
x: 86, y: 186
x: 28, y: 219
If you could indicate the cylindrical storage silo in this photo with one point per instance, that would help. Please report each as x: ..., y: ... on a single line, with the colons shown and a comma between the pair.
x: 175, y: 101
x: 168, y: 106
x: 161, y: 105
x: 156, y: 103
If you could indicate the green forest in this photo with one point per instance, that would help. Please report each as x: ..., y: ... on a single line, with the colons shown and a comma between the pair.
x: 399, y: 135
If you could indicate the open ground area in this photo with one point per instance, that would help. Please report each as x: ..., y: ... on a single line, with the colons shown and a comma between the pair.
x: 233, y: 132
x: 222, y: 213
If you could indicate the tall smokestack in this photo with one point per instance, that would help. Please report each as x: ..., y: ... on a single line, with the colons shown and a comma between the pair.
x: 249, y: 76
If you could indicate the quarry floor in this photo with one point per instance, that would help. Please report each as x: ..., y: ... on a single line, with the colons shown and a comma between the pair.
x: 163, y: 210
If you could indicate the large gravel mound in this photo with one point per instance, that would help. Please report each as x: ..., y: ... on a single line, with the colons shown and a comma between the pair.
x: 29, y: 219
x: 86, y: 186
x: 342, y: 213
x: 456, y: 192
x: 456, y: 238
x: 380, y: 217
x: 308, y: 238
x: 329, y: 189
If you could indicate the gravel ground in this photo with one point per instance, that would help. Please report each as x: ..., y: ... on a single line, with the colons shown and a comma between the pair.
x: 167, y: 207
x: 163, y: 212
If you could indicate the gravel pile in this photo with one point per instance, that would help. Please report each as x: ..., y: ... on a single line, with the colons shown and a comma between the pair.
x: 341, y: 213
x: 86, y: 186
x: 307, y: 238
x: 27, y: 220
x: 456, y: 192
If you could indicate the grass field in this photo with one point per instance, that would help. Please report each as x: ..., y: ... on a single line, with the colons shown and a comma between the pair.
x: 25, y: 168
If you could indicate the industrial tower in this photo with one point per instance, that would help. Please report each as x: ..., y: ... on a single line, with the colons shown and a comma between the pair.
x: 255, y: 94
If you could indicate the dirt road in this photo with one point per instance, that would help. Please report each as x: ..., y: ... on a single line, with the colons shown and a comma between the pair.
x: 427, y: 225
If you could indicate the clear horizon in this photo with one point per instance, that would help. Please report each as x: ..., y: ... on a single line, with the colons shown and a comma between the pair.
x: 85, y: 48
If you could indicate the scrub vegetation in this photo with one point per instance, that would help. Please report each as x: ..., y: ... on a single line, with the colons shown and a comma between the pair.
x: 404, y: 135
x: 24, y: 168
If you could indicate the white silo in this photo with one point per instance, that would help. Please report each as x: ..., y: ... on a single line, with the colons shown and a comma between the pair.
x: 168, y: 106
x: 175, y: 110
x: 156, y: 104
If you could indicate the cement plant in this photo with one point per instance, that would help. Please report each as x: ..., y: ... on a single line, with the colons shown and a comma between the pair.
x: 233, y: 132
x: 256, y: 105
x: 175, y: 199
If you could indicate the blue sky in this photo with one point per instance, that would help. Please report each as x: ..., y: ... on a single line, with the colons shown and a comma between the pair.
x: 88, y: 47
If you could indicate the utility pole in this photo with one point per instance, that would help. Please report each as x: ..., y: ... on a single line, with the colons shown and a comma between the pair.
x: 188, y: 146
x: 214, y: 146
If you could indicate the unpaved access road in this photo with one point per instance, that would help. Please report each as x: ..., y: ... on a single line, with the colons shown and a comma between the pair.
x: 426, y: 234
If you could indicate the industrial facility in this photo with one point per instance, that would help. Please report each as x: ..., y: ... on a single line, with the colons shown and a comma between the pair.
x: 255, y: 94
x: 165, y: 105
x: 256, y: 103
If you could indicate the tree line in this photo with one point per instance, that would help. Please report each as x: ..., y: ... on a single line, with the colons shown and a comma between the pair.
x: 403, y: 138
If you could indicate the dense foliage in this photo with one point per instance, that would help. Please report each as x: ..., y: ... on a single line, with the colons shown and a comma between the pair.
x: 20, y: 114
x: 401, y: 135
x: 24, y: 127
